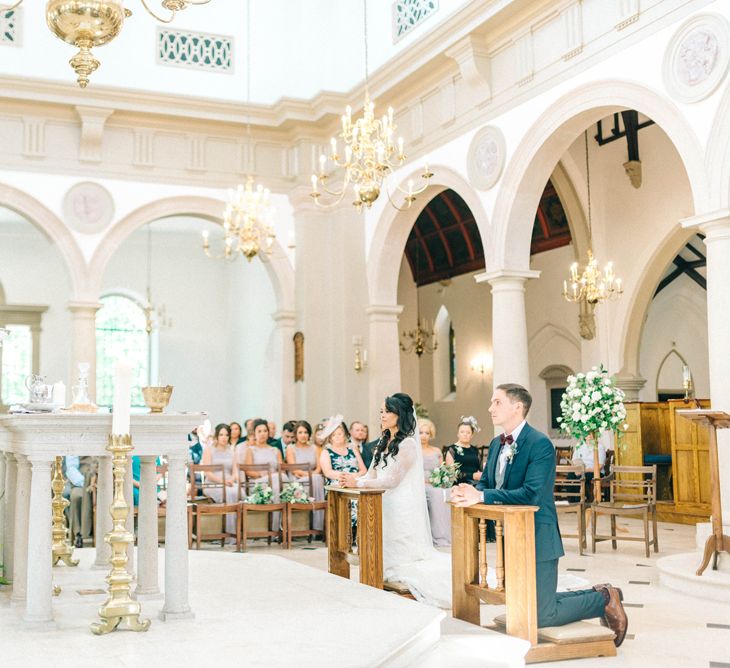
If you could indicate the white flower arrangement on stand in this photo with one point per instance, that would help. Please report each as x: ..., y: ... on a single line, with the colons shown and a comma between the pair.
x: 591, y: 405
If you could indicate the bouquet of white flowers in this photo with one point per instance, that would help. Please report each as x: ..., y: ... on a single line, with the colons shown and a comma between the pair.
x: 261, y: 494
x: 591, y: 405
x: 445, y: 475
x: 293, y: 492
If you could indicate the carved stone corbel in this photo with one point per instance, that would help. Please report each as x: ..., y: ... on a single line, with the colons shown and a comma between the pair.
x: 473, y: 61
x: 92, y: 120
x: 633, y: 171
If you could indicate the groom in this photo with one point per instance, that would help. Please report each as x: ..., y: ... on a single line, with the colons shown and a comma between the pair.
x: 520, y: 470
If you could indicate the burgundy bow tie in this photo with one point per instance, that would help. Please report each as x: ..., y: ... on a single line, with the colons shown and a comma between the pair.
x: 506, y: 439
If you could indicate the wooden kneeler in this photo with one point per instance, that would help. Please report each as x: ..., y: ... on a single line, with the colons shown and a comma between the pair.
x: 515, y: 585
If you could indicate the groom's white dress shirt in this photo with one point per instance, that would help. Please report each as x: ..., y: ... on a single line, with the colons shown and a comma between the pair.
x: 503, y: 454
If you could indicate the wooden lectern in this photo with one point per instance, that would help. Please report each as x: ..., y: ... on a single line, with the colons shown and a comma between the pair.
x: 717, y: 542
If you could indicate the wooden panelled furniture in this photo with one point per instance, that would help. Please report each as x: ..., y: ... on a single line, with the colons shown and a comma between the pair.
x: 633, y: 493
x: 300, y: 516
x: 657, y: 435
x: 515, y: 583
x: 203, y: 509
x: 273, y: 513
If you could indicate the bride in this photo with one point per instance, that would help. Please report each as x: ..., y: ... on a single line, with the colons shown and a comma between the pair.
x: 408, y: 553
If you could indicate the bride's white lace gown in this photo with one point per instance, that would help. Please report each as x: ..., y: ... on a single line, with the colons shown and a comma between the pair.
x: 408, y: 553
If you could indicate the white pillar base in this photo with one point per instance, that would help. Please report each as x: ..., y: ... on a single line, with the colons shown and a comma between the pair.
x: 173, y: 616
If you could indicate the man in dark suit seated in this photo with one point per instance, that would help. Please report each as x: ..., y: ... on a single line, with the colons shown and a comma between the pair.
x: 520, y: 470
x: 359, y: 437
x: 287, y: 438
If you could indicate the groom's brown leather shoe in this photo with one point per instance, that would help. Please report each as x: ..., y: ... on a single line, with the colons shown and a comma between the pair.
x: 614, y: 614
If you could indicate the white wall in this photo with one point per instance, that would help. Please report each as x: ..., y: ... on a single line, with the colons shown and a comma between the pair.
x: 32, y: 272
x: 216, y: 353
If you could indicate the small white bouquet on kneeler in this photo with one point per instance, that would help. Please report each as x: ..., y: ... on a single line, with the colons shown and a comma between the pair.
x: 294, y: 492
x: 261, y: 494
x: 444, y: 476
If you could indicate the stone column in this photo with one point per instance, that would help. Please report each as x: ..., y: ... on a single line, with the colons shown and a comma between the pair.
x: 283, y: 376
x: 83, y: 342
x: 21, y: 513
x: 11, y: 478
x: 631, y: 385
x: 509, y: 325
x: 176, y: 541
x: 147, y: 538
x: 38, y: 605
x: 383, y: 356
x: 716, y: 227
x: 129, y: 524
x: 104, y: 497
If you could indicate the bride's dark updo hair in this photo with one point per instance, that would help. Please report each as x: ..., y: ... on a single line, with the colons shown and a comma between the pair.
x: 401, y: 405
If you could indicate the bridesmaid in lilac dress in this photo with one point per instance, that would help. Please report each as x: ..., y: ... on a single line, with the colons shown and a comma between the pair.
x: 304, y: 452
x: 260, y: 452
x: 439, y: 512
x: 221, y: 452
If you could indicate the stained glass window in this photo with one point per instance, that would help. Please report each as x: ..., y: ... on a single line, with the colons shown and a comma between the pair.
x: 121, y: 333
x: 17, y: 364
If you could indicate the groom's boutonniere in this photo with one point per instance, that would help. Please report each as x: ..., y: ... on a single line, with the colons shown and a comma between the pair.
x: 511, y: 451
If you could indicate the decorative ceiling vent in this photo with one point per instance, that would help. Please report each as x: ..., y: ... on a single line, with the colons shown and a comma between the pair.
x: 196, y: 50
x: 10, y: 27
x: 407, y: 14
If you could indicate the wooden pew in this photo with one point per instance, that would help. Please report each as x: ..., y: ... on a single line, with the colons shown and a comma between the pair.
x: 515, y: 583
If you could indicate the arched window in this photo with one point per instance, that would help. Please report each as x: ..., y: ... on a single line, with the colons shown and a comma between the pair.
x: 121, y: 333
x: 16, y: 364
x: 444, y: 358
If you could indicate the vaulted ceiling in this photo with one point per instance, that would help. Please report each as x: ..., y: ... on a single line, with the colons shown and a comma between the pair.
x: 445, y: 240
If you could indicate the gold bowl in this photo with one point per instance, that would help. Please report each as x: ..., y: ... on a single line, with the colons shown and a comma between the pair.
x: 157, y: 398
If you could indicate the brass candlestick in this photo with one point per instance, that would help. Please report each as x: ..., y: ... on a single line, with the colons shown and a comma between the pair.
x: 62, y: 548
x: 119, y: 607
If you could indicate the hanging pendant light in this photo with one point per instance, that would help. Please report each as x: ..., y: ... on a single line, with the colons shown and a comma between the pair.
x: 589, y: 285
x: 423, y: 338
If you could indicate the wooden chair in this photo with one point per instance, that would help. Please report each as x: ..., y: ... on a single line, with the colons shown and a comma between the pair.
x: 246, y: 483
x: 292, y: 509
x: 629, y: 498
x: 569, y: 497
x: 285, y: 469
x: 204, y: 507
x: 483, y: 451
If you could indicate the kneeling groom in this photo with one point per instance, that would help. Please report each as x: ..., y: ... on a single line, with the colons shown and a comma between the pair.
x: 520, y: 470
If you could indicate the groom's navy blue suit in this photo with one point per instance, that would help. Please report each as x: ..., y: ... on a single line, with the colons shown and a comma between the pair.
x: 529, y: 478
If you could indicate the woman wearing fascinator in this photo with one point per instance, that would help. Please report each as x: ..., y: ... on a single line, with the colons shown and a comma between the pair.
x: 464, y: 453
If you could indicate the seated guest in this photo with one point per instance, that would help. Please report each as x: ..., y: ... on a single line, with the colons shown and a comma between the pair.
x: 359, y: 438
x: 272, y: 434
x: 287, y: 438
x: 584, y: 454
x: 221, y: 452
x: 439, y: 511
x: 464, y: 453
x: 339, y: 456
x: 137, y: 474
x: 236, y: 434
x: 79, y: 472
x: 248, y: 436
x: 318, y: 438
x: 260, y: 452
x: 303, y: 451
x: 195, y: 449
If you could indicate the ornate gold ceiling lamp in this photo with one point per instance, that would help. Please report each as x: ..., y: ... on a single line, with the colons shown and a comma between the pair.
x: 590, y: 285
x: 247, y: 225
x: 90, y: 23
x: 422, y: 339
x: 371, y: 153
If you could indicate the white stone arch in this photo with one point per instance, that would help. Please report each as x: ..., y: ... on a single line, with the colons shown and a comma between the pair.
x: 565, y: 186
x: 54, y: 229
x: 393, y: 227
x: 551, y: 135
x: 672, y: 352
x: 717, y: 158
x: 277, y: 264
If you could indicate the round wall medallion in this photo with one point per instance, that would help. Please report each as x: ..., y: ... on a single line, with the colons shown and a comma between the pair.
x: 486, y: 157
x: 697, y: 57
x: 88, y: 207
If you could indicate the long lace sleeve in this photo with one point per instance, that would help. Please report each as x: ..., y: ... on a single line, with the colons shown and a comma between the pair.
x: 392, y: 475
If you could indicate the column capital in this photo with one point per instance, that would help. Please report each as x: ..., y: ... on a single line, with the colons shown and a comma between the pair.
x: 84, y: 308
x: 715, y: 224
x: 40, y: 462
x: 384, y: 312
x: 176, y: 460
x: 284, y: 318
x: 631, y: 385
x: 506, y: 275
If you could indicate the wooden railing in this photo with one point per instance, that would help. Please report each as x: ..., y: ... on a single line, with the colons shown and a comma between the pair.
x: 514, y: 565
x: 369, y: 533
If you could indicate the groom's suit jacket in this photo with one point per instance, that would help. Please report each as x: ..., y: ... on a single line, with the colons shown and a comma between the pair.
x: 529, y: 478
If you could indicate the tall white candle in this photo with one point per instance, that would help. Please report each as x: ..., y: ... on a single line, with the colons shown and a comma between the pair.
x: 122, y: 397
x: 59, y: 393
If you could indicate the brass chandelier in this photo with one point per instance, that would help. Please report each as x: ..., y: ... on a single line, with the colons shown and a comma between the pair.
x: 370, y: 154
x: 247, y: 217
x: 89, y: 23
x: 422, y: 339
x: 590, y: 285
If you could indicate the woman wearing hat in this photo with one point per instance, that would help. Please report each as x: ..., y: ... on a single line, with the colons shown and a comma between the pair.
x: 338, y: 456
